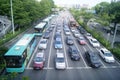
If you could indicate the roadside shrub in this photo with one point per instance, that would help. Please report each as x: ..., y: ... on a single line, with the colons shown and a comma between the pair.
x: 116, y: 52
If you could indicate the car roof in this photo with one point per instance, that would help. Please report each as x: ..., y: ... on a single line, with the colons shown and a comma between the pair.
x: 40, y: 54
x: 58, y: 39
x: 105, y: 50
x: 93, y: 39
x: 69, y: 37
x: 60, y: 55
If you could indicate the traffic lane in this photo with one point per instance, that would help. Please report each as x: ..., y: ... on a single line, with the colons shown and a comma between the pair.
x: 96, y: 50
x: 37, y: 50
x: 30, y: 63
x: 73, y: 74
x: 70, y: 62
x: 52, y: 51
x: 48, y: 50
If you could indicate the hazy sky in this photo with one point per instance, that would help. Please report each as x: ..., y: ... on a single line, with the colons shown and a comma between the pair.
x: 91, y: 3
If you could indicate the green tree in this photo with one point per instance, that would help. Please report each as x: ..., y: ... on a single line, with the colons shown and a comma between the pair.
x: 26, y: 11
x: 114, y: 12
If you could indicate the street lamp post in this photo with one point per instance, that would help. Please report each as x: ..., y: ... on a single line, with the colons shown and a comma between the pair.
x: 12, y: 17
x: 112, y: 45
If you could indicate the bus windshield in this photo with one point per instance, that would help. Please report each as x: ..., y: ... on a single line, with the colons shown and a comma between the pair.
x: 13, y: 61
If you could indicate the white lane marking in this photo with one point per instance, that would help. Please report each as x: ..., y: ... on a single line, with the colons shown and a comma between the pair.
x: 80, y: 54
x: 33, y: 55
x: 89, y: 47
x: 64, y: 50
x: 71, y: 68
x: 118, y: 62
x: 84, y: 49
x: 50, y: 49
x: 57, y: 50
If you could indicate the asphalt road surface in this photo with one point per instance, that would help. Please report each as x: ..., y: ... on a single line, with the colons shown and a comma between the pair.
x: 76, y: 70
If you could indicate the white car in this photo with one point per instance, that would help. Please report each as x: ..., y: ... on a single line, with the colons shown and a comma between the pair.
x: 43, y: 44
x: 76, y: 34
x: 73, y: 29
x: 67, y: 32
x: 60, y: 61
x: 94, y: 42
x: 107, y: 55
x: 88, y: 36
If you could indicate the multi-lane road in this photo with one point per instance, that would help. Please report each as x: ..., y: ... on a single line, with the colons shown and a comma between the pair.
x: 76, y: 70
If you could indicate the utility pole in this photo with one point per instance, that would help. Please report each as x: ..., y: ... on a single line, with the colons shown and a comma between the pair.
x: 112, y: 45
x: 12, y: 17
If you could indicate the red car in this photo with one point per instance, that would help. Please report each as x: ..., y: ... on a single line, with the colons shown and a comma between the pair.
x: 39, y: 61
x: 81, y: 40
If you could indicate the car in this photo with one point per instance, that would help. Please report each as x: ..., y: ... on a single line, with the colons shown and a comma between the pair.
x: 73, y: 30
x: 81, y: 40
x: 94, y: 42
x: 107, y: 55
x: 67, y: 32
x: 58, y: 44
x: 46, y: 35
x: 88, y: 36
x: 50, y: 29
x: 76, y: 34
x: 43, y: 44
x: 66, y: 28
x: 60, y: 61
x: 57, y: 34
x: 53, y: 25
x: 82, y: 30
x: 39, y: 61
x: 92, y: 59
x: 58, y: 29
x: 74, y: 53
x: 69, y: 40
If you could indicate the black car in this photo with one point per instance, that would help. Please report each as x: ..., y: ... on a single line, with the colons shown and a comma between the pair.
x: 74, y: 53
x: 69, y: 40
x: 92, y: 59
x: 46, y: 35
x: 82, y: 30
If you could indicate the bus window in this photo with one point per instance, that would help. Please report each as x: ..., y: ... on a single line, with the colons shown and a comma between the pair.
x: 24, y: 55
x: 13, y: 62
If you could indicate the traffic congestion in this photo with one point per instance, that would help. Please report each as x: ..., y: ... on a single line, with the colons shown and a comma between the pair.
x: 65, y: 47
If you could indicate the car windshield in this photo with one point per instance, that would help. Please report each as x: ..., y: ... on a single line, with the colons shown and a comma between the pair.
x: 108, y: 54
x: 38, y: 59
x: 43, y: 42
x: 70, y: 39
x: 58, y: 42
x: 75, y: 51
x: 94, y: 41
x: 59, y: 59
x: 81, y: 38
x: 88, y: 34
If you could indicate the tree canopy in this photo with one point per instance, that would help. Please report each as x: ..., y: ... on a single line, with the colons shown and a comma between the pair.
x: 26, y: 11
x: 109, y: 12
